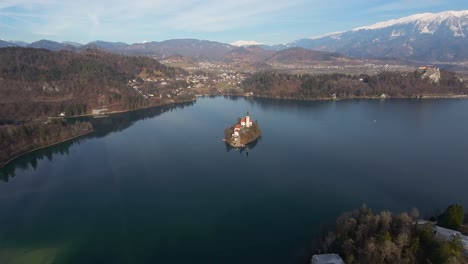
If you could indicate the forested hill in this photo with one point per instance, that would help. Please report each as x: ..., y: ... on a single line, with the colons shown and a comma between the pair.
x: 37, y: 82
x: 430, y: 82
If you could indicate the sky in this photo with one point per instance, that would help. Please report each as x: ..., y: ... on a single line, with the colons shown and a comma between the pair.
x: 263, y: 21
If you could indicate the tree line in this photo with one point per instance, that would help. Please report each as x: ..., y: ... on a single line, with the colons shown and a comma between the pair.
x: 19, y: 139
x: 394, y: 84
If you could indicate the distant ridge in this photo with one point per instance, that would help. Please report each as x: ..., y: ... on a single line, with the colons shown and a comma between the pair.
x: 425, y: 37
x: 47, y: 44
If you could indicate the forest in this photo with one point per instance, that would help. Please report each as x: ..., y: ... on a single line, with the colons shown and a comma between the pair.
x: 328, y: 86
x: 37, y: 83
x: 16, y: 140
x: 363, y: 237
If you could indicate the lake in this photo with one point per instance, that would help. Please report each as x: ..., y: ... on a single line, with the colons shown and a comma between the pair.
x: 160, y: 186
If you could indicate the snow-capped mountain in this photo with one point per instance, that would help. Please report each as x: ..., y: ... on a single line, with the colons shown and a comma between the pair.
x: 429, y: 37
x: 244, y: 43
x: 427, y: 23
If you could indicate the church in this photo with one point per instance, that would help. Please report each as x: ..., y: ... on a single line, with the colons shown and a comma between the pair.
x: 245, y: 122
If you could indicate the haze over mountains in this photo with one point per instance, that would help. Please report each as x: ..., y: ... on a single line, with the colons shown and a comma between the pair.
x: 428, y: 37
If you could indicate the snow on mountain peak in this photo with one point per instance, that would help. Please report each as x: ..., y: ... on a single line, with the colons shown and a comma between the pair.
x: 427, y: 23
x: 241, y: 43
x: 331, y: 35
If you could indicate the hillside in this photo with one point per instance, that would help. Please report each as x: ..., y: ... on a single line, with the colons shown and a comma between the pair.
x: 39, y: 83
x: 305, y: 56
x: 250, y: 54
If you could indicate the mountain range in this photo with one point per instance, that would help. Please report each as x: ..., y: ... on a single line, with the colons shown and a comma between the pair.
x: 428, y: 37
x: 425, y: 37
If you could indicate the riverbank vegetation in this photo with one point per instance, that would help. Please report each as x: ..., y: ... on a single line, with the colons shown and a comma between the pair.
x: 362, y: 236
x: 335, y: 86
x: 16, y: 140
x: 100, y: 128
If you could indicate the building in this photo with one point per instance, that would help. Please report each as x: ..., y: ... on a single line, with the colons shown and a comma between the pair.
x: 446, y: 234
x: 246, y: 121
x: 237, y: 129
x: 327, y: 259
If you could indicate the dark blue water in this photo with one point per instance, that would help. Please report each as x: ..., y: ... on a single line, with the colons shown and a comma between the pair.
x: 159, y: 185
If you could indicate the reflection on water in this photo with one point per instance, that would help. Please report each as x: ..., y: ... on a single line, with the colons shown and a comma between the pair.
x: 32, y: 158
x: 102, y: 127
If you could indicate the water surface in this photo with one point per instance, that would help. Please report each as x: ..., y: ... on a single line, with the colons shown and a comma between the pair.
x: 159, y: 185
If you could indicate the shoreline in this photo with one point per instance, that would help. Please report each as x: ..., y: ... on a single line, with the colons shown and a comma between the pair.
x: 146, y: 107
x: 136, y: 109
x: 423, y: 96
x: 243, y: 145
x: 3, y: 164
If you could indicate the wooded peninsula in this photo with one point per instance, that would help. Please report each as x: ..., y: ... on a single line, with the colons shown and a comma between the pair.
x: 426, y: 82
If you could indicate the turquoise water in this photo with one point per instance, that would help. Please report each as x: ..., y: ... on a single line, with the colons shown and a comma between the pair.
x: 159, y: 185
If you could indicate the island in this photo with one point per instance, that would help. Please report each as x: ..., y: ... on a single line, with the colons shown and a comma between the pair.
x: 245, y: 131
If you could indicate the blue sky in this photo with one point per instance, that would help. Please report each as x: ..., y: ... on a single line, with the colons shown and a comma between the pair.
x: 266, y: 21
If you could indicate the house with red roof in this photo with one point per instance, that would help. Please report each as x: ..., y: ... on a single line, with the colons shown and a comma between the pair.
x: 237, y: 129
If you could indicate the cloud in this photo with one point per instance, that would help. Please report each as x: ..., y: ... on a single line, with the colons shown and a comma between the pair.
x: 98, y: 17
x: 215, y: 16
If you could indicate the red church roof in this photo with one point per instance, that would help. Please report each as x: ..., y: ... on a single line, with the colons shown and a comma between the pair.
x: 238, y: 126
x: 243, y: 120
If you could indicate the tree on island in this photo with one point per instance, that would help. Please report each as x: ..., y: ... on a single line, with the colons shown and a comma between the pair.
x: 228, y: 134
x: 452, y: 218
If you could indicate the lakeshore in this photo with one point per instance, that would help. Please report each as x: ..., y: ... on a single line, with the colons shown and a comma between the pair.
x: 3, y: 164
x: 424, y: 96
x: 26, y: 149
